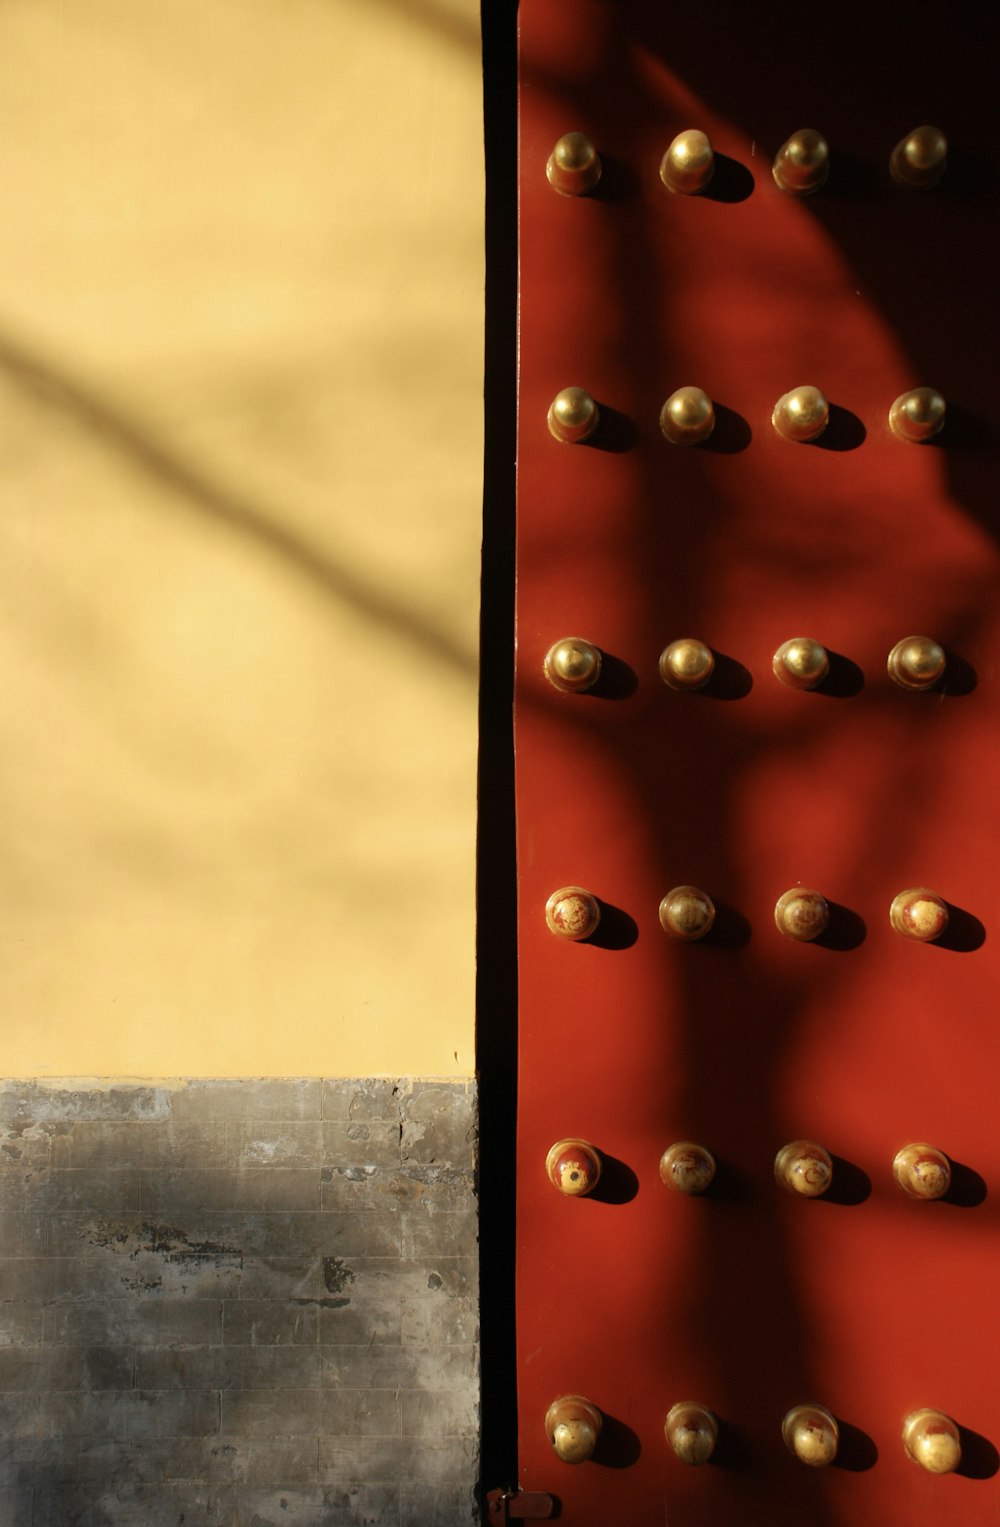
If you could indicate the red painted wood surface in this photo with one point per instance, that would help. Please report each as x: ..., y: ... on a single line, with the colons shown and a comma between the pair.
x: 748, y: 1299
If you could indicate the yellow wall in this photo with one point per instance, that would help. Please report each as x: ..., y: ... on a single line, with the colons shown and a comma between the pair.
x: 240, y: 487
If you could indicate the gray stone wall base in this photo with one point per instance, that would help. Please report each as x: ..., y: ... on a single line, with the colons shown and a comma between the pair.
x: 246, y: 1303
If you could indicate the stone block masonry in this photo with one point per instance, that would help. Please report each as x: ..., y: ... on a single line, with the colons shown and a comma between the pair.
x: 240, y: 1303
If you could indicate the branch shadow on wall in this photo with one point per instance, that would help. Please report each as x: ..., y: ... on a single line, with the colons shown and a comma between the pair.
x: 137, y: 444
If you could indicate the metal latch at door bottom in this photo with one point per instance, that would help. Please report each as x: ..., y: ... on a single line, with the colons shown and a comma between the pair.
x: 520, y: 1506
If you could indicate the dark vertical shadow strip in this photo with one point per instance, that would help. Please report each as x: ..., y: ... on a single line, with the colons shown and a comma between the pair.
x: 496, y: 983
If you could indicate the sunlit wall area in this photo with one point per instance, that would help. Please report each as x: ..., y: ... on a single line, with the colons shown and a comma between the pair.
x: 240, y: 486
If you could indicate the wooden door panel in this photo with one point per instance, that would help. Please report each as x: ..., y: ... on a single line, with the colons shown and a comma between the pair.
x: 748, y: 1298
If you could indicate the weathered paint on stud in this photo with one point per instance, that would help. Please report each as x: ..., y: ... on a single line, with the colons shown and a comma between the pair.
x: 687, y: 913
x: 932, y: 1439
x: 801, y: 914
x: 687, y: 1167
x: 573, y: 1426
x: 803, y: 1167
x: 919, y: 914
x: 572, y: 913
x: 921, y: 1170
x: 692, y: 1431
x: 812, y: 1434
x: 574, y: 1167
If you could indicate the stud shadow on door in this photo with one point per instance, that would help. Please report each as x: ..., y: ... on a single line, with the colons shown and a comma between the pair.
x: 856, y: 1451
x: 969, y: 174
x: 730, y: 1184
x: 617, y: 1183
x: 729, y: 681
x: 844, y: 679
x: 730, y: 930
x: 845, y: 930
x: 616, y: 432
x: 731, y: 435
x: 731, y: 182
x: 852, y: 179
x: 619, y: 1446
x: 963, y: 431
x: 960, y: 679
x: 617, y: 680
x: 964, y: 933
x: 980, y: 1459
x: 967, y: 1190
x: 845, y: 432
x: 732, y: 1450
x: 618, y: 183
x: 849, y: 1184
x: 616, y: 930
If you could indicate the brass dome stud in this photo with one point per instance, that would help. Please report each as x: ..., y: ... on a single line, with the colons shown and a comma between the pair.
x: 574, y: 1167
x: 689, y: 164
x: 922, y: 1171
x: 686, y: 1167
x: 812, y: 1434
x: 932, y: 1439
x: 919, y: 160
x: 801, y: 415
x: 802, y: 163
x: 917, y: 415
x: 801, y: 663
x: 573, y: 664
x: 803, y: 1167
x: 801, y: 914
x: 917, y: 662
x: 573, y: 1427
x: 687, y: 417
x: 572, y: 913
x: 574, y: 166
x: 687, y: 664
x: 687, y: 913
x: 919, y: 914
x: 573, y: 416
x: 692, y: 1431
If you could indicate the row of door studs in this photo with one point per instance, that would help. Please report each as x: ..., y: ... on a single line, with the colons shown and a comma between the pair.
x: 573, y: 1425
x: 801, y: 914
x: 801, y: 415
x: 802, y: 1167
x: 573, y: 664
x: 800, y: 167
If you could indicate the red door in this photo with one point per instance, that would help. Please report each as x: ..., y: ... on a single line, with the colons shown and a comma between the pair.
x: 750, y: 1298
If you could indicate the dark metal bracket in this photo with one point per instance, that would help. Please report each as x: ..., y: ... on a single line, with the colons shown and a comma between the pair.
x: 520, y: 1506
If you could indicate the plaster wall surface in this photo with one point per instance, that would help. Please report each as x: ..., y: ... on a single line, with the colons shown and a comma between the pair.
x: 241, y: 298
x: 241, y: 334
